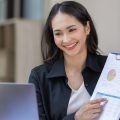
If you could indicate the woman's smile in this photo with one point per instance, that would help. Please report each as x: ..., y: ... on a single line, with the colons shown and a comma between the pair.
x: 71, y: 46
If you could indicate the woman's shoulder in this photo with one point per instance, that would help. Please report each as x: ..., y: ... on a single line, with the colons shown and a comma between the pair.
x: 101, y: 59
x: 40, y: 69
x: 96, y: 61
x: 38, y: 74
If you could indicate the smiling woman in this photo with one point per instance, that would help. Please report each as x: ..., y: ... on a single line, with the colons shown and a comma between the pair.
x: 76, y: 13
x: 70, y: 36
x: 72, y: 65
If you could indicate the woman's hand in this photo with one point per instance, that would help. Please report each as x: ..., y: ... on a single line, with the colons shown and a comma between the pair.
x: 91, y: 110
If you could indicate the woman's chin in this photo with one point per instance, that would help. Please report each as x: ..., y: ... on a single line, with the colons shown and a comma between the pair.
x: 72, y: 54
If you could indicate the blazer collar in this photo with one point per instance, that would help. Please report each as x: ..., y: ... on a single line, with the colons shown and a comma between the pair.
x: 58, y: 69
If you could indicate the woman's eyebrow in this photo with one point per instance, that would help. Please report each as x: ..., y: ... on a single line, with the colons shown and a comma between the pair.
x: 56, y: 30
x: 70, y: 26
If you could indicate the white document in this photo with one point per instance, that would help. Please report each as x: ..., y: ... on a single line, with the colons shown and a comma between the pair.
x: 108, y: 86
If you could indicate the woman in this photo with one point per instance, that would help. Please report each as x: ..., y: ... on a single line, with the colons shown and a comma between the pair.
x: 72, y: 65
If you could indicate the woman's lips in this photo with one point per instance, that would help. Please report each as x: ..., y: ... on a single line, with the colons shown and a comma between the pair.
x: 71, y: 46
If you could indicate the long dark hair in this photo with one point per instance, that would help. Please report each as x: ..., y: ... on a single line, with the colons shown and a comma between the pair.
x: 50, y: 52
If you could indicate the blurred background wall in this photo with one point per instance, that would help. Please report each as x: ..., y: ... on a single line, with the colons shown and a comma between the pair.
x: 21, y: 24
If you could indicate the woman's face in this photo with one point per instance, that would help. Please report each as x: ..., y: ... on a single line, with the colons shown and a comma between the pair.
x: 69, y: 34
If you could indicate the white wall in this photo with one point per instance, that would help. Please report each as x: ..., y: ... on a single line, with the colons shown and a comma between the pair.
x: 106, y: 16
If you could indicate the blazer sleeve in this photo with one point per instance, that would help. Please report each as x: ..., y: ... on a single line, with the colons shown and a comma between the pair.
x: 69, y: 117
x: 34, y: 79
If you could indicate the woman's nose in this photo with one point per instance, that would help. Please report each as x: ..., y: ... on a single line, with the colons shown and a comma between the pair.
x: 66, y: 38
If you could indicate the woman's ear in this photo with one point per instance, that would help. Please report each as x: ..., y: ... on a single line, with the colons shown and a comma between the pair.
x: 87, y: 28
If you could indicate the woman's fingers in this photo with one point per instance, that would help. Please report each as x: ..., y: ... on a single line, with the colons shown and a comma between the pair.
x: 96, y: 104
x: 98, y: 110
x: 98, y: 100
x: 91, y: 110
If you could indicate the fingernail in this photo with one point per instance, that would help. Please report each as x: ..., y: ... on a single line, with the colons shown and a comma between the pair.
x: 103, y: 103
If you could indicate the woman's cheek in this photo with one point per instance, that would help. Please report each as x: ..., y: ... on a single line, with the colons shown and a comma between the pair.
x: 57, y: 42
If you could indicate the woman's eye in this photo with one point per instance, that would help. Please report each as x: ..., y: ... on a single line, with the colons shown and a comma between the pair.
x: 57, y: 34
x: 71, y: 30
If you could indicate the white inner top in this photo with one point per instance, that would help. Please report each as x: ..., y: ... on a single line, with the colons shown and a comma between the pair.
x: 78, y: 98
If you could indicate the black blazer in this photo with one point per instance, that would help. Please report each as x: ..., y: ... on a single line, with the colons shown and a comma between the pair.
x: 53, y: 92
